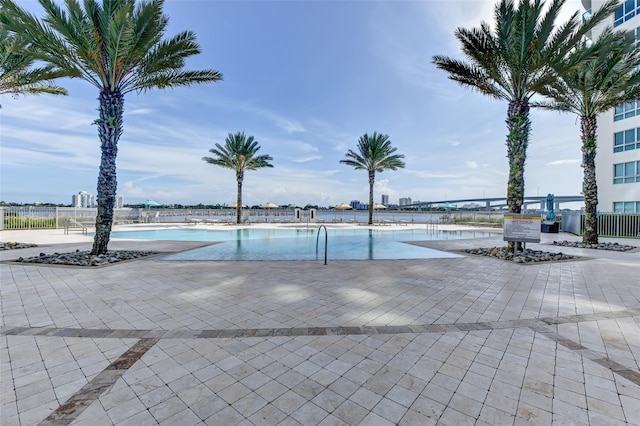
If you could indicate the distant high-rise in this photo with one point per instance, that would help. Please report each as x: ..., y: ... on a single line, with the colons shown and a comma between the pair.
x: 357, y: 205
x: 82, y: 199
x: 405, y: 201
x: 385, y: 200
x: 85, y: 200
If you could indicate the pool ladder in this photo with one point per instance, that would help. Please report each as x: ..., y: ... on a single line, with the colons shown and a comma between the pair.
x: 326, y: 240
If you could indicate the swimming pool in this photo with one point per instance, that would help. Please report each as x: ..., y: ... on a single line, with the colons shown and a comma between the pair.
x: 300, y: 244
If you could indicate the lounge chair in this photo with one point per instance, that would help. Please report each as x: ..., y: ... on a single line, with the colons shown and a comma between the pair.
x: 73, y: 224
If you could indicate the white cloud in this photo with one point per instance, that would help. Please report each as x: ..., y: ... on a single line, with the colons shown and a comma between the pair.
x: 276, y: 118
x: 424, y: 174
x: 307, y: 159
x: 563, y: 162
x: 128, y: 189
x: 288, y: 125
x: 141, y: 111
x: 472, y: 164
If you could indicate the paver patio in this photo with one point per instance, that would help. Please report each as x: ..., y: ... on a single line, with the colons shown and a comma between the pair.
x: 468, y: 340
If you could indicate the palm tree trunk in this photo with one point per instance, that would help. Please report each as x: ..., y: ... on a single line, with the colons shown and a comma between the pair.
x: 372, y: 179
x: 588, y: 127
x: 519, y: 125
x: 109, y: 130
x: 239, y: 178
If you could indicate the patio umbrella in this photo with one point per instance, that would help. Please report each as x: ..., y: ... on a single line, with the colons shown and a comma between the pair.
x: 150, y: 203
x: 343, y: 207
x: 447, y: 206
x: 379, y: 207
x: 269, y: 205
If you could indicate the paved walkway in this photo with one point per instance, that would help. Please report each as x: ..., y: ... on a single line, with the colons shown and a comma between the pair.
x: 414, y: 342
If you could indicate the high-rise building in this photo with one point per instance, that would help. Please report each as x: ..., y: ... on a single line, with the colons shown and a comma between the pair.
x: 357, y: 205
x: 404, y: 201
x: 618, y: 157
x: 84, y: 200
x: 384, y: 200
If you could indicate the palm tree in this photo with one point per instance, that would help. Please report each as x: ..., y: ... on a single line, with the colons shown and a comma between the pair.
x: 117, y: 46
x: 238, y: 153
x: 610, y: 78
x: 375, y: 154
x: 18, y: 75
x: 516, y: 61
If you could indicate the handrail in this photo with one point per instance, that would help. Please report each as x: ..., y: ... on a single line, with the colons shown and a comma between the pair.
x: 326, y: 240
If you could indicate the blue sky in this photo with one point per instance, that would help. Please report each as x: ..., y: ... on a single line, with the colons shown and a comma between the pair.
x: 306, y: 79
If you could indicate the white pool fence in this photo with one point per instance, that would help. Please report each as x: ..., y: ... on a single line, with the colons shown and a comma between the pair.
x: 36, y: 217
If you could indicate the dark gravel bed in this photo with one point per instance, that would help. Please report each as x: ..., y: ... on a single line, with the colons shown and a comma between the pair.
x: 526, y: 256
x: 14, y: 246
x: 601, y: 246
x: 82, y: 258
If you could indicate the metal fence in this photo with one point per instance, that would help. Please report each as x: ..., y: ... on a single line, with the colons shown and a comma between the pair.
x: 609, y: 224
x: 478, y: 217
x: 30, y: 217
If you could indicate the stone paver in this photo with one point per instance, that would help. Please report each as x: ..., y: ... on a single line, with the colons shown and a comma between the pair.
x: 438, y: 341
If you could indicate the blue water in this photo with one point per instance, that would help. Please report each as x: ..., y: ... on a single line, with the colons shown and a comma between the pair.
x: 300, y: 244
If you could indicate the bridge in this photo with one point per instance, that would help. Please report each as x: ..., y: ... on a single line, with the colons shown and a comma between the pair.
x: 557, y: 200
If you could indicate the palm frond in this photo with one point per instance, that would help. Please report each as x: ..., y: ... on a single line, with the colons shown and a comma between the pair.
x: 375, y: 153
x: 169, y: 79
x: 601, y: 76
x: 169, y: 54
x: 470, y: 76
x: 116, y: 45
x: 239, y: 153
x: 524, y: 53
x: 18, y: 73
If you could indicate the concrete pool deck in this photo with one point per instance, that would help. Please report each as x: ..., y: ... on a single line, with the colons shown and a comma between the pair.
x: 469, y: 340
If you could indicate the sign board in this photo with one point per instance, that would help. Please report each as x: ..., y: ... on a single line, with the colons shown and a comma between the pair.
x: 522, y: 227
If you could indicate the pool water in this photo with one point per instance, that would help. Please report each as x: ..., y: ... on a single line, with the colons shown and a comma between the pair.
x: 300, y: 244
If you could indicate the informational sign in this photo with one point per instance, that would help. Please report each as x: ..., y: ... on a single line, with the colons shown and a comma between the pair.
x: 522, y: 227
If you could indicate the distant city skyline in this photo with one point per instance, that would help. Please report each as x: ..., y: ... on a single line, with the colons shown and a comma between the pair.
x: 306, y: 79
x: 84, y: 199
